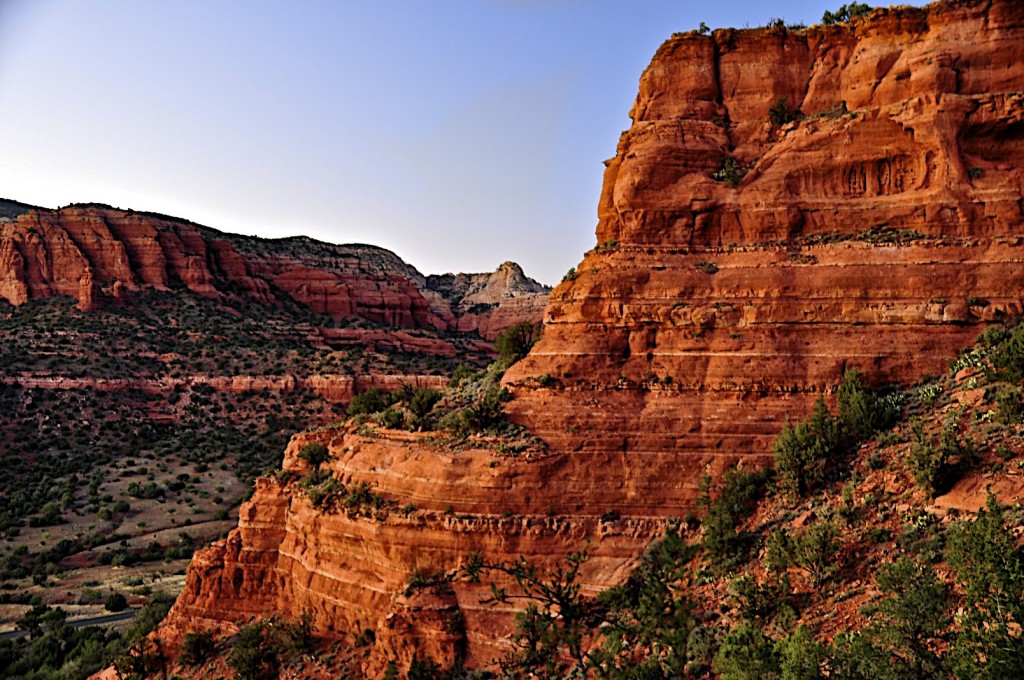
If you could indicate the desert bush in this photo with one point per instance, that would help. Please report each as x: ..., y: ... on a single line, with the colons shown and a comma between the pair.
x: 852, y: 655
x: 197, y: 648
x: 422, y: 401
x: 912, y: 617
x: 778, y: 550
x: 422, y: 579
x: 253, y: 654
x: 115, y: 602
x: 936, y: 468
x: 989, y: 567
x: 371, y: 401
x: 780, y: 113
x: 759, y: 601
x: 1009, y: 405
x: 845, y: 13
x: 315, y: 453
x: 746, y: 653
x: 800, y: 657
x: 803, y: 452
x: 513, y: 343
x: 391, y: 418
x: 922, y: 536
x: 731, y: 172
x: 735, y: 497
x: 816, y: 550
x: 1006, y: 352
x: 461, y: 373
x: 862, y: 411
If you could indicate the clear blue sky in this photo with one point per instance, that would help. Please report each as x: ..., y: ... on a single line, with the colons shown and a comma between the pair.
x: 457, y: 133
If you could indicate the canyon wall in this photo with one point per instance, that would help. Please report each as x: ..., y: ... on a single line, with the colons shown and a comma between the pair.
x: 96, y: 253
x: 880, y: 229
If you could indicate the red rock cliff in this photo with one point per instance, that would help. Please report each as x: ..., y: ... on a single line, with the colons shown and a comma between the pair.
x: 881, y: 230
x: 714, y: 311
x: 95, y: 253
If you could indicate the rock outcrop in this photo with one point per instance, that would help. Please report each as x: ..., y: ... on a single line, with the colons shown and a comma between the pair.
x: 881, y: 229
x: 95, y: 253
x: 490, y: 303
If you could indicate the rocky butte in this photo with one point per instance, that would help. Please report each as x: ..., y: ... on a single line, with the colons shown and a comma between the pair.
x: 786, y: 204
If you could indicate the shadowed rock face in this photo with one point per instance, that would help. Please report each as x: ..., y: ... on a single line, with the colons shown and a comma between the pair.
x: 882, y: 234
x: 96, y: 254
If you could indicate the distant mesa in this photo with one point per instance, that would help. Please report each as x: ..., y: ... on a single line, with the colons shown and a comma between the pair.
x: 97, y: 254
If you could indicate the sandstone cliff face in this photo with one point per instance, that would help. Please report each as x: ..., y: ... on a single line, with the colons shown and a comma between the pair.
x: 350, y: 569
x: 710, y: 314
x: 713, y: 312
x: 95, y: 253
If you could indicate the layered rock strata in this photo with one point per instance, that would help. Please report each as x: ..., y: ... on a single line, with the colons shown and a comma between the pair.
x: 490, y: 303
x: 350, y: 569
x: 880, y: 230
x: 95, y: 253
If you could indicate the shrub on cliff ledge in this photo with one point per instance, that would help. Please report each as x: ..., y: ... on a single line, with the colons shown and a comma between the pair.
x: 845, y: 13
x: 372, y: 400
x: 476, y: 405
x: 780, y: 113
x: 315, y: 453
x: 731, y: 172
x: 422, y: 401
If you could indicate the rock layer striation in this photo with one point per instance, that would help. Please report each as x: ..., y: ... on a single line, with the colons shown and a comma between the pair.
x: 880, y: 229
x: 95, y: 253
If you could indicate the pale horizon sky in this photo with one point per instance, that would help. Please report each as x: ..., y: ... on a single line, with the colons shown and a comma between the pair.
x: 456, y: 133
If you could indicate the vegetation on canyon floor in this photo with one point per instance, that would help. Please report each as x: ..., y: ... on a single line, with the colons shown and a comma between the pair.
x: 109, y: 488
x: 57, y: 650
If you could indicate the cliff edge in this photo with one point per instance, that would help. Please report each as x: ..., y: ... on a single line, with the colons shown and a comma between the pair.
x: 98, y: 254
x: 786, y: 204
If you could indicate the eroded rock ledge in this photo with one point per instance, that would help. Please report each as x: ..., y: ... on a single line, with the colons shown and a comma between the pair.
x: 880, y: 231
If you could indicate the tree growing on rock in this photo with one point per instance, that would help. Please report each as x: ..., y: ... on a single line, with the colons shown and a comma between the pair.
x: 316, y: 454
x: 513, y: 343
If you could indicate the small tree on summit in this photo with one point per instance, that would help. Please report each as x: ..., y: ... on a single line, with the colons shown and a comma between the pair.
x: 845, y: 13
x: 316, y: 454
